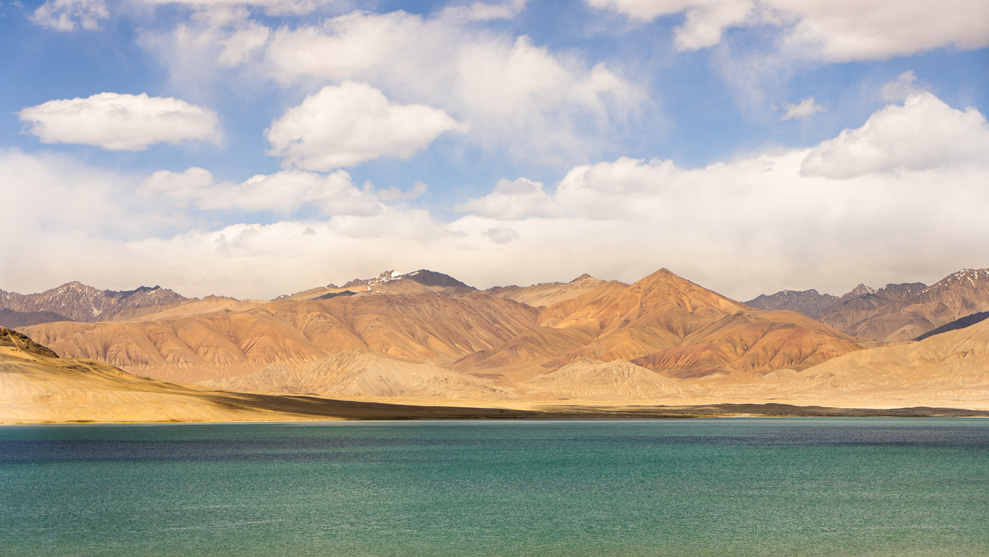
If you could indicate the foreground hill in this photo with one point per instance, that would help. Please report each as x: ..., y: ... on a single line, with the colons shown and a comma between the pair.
x: 894, y: 313
x: 36, y: 386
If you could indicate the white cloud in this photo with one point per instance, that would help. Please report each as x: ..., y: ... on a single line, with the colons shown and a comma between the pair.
x: 392, y: 193
x: 615, y: 190
x: 513, y: 200
x: 518, y: 97
x: 346, y: 125
x: 119, y: 122
x: 757, y: 224
x: 802, y: 109
x: 922, y: 134
x: 67, y: 15
x: 900, y: 88
x: 705, y: 23
x: 283, y: 192
x: 836, y: 30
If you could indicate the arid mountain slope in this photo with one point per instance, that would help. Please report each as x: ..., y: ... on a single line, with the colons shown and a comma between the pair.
x: 37, y: 386
x: 667, y: 324
x: 950, y: 369
x: 421, y: 328
x: 80, y: 302
x: 960, y: 323
x: 355, y: 374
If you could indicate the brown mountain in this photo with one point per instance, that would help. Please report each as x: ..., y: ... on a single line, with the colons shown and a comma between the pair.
x: 903, y: 312
x: 36, y: 386
x: 950, y: 369
x: 416, y: 327
x: 894, y: 313
x: 661, y: 340
x: 667, y: 324
x: 79, y: 302
x: 423, y: 335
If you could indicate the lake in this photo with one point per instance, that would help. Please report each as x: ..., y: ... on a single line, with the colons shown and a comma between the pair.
x: 761, y: 486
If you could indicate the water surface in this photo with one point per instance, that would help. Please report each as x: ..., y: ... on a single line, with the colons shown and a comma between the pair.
x: 809, y: 486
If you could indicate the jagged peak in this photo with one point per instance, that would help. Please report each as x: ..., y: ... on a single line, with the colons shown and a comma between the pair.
x: 582, y: 277
x: 862, y: 290
x: 970, y: 276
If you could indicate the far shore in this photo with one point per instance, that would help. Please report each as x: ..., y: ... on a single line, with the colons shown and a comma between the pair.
x: 271, y: 408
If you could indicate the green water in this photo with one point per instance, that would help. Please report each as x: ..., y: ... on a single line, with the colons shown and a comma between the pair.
x: 664, y: 487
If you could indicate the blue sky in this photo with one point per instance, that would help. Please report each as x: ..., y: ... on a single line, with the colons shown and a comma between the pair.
x: 261, y: 148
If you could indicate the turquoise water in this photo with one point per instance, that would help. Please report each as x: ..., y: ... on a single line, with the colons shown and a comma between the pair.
x: 803, y: 486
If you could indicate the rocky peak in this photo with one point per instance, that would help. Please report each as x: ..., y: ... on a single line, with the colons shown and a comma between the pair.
x: 81, y: 302
x: 860, y: 291
x: 808, y: 302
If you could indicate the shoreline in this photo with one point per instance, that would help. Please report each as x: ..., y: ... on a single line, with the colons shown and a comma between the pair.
x: 310, y: 409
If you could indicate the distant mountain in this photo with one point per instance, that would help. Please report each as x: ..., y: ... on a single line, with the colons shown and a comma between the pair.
x: 420, y: 335
x: 854, y: 313
x: 896, y: 312
x: 390, y: 282
x: 11, y: 318
x: 79, y: 302
x: 808, y: 302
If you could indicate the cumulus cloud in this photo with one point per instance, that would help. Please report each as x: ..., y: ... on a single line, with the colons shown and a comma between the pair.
x: 517, y: 96
x: 754, y: 224
x: 512, y: 200
x: 802, y: 109
x: 68, y: 15
x: 352, y: 123
x: 842, y: 30
x: 117, y: 122
x: 922, y: 134
x: 283, y: 192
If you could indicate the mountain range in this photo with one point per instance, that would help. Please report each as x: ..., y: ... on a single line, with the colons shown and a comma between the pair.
x: 896, y: 312
x: 426, y: 337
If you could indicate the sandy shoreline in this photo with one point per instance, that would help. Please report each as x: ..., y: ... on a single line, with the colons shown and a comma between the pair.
x: 293, y: 409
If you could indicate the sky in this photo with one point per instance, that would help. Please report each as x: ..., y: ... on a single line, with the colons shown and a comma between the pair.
x: 259, y: 148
